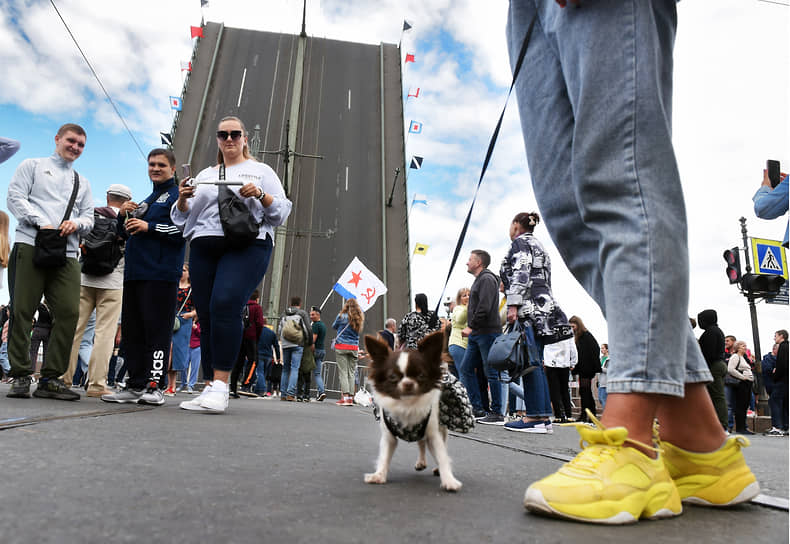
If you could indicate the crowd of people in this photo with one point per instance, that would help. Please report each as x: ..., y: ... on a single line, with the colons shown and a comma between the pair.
x: 596, y: 120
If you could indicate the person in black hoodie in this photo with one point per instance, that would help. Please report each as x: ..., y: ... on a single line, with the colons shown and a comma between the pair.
x: 588, y: 366
x: 153, y: 263
x: 781, y: 374
x: 712, y: 345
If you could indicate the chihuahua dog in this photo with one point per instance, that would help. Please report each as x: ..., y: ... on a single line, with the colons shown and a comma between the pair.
x: 406, y: 388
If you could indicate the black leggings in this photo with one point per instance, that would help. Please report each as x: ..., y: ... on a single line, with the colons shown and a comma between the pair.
x: 558, y: 391
x: 742, y: 392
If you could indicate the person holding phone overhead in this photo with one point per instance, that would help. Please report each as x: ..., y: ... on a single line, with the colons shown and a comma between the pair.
x: 225, y: 266
x: 771, y: 199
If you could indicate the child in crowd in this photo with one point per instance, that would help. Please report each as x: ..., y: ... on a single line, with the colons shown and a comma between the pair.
x: 306, y: 370
x: 273, y: 378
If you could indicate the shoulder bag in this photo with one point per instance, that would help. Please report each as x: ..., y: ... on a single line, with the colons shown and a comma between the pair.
x: 50, y: 246
x: 515, y: 351
x: 238, y: 223
x: 177, y: 323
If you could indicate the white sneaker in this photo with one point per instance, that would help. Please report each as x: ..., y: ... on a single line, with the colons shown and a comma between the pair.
x: 194, y: 404
x: 152, y: 396
x: 216, y: 400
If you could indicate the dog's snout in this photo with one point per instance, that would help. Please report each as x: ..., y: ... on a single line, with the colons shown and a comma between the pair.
x: 408, y: 385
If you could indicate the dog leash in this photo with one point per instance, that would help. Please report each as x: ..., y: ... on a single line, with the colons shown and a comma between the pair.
x: 490, y: 151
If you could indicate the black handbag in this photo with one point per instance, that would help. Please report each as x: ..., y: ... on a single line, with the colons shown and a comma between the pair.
x: 50, y: 247
x: 238, y: 223
x: 515, y: 351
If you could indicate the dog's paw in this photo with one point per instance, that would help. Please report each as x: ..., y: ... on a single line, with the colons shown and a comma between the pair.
x: 375, y: 478
x: 436, y: 471
x: 420, y: 465
x: 452, y: 485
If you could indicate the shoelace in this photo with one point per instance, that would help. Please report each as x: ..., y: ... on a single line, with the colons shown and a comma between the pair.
x: 601, y: 444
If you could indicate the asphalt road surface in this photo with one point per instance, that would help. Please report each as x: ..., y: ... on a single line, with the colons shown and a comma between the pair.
x: 271, y: 471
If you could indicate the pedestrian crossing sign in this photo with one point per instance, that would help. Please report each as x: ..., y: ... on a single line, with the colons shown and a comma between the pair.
x: 769, y: 257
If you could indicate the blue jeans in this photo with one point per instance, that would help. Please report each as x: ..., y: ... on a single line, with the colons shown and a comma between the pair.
x: 222, y: 280
x: 595, y: 101
x: 457, y: 353
x: 319, y: 355
x: 476, y: 355
x: 292, y: 358
x: 190, y: 374
x: 86, y: 344
x: 261, y: 385
x: 6, y: 366
x: 729, y: 395
x: 602, y: 396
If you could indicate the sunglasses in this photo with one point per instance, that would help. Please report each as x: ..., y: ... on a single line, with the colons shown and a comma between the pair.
x: 223, y: 134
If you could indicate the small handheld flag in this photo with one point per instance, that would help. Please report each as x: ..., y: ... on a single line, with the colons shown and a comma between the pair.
x: 415, y: 127
x: 421, y: 249
x: 409, y: 58
x: 196, y: 31
x: 416, y: 162
x: 360, y: 283
x: 175, y: 103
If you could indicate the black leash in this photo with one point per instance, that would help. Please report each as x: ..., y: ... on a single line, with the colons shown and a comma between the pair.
x: 490, y: 151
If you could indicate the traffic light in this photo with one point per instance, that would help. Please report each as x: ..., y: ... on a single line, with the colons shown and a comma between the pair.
x: 766, y: 285
x: 732, y: 256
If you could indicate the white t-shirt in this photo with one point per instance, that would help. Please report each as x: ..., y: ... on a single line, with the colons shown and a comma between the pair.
x: 202, y: 216
x: 560, y: 354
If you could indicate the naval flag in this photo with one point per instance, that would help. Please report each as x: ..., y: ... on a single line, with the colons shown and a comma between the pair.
x: 360, y: 283
x: 415, y: 127
x: 175, y: 103
x: 416, y: 162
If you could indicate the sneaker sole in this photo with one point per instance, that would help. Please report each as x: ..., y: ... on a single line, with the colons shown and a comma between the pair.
x: 748, y: 493
x: 56, y: 396
x: 150, y: 403
x: 535, y: 502
x: 529, y: 430
x: 499, y: 423
x: 11, y: 395
x: 115, y: 401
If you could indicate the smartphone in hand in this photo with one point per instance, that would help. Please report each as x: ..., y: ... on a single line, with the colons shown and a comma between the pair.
x: 773, y: 172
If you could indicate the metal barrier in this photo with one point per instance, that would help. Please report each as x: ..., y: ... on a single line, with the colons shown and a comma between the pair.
x: 332, y: 381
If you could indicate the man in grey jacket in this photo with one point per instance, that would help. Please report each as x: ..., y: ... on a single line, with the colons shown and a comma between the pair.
x: 292, y: 351
x: 483, y: 326
x: 38, y: 196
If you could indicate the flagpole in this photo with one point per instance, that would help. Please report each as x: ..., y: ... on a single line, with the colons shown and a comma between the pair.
x: 326, y: 299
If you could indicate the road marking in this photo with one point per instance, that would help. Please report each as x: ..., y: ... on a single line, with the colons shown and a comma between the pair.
x: 349, y: 99
x: 241, y: 91
x: 346, y: 178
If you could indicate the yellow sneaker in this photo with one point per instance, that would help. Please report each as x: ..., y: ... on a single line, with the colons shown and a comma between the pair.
x: 718, y: 478
x: 607, y: 482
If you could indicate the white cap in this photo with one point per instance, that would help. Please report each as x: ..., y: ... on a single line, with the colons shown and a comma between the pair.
x: 116, y: 189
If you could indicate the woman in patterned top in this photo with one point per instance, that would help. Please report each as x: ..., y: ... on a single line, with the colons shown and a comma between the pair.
x: 417, y: 324
x: 526, y: 275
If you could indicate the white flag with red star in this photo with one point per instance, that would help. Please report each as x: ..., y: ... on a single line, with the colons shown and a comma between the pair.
x: 360, y: 283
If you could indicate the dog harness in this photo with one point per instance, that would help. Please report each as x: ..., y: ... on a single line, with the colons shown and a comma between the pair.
x: 455, y: 413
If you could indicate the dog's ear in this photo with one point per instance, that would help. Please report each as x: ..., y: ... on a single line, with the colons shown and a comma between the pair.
x: 431, y: 347
x: 378, y: 350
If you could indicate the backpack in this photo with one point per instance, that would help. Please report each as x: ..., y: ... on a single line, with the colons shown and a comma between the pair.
x: 292, y: 331
x: 102, y: 248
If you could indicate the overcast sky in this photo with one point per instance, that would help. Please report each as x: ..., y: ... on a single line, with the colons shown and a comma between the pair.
x: 730, y: 115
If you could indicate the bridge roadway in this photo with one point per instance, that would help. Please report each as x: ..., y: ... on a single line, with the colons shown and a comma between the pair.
x: 337, y: 212
x: 271, y: 471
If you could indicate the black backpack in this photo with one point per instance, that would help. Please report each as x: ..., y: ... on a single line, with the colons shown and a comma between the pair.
x: 102, y: 248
